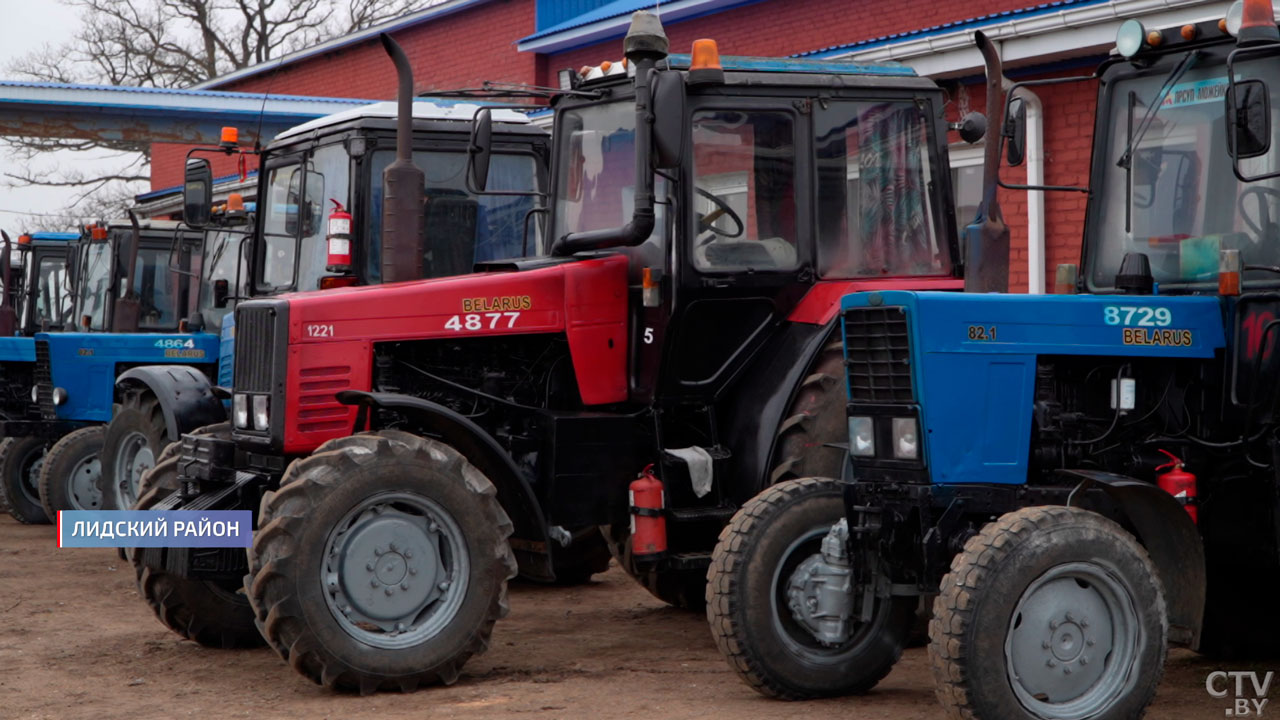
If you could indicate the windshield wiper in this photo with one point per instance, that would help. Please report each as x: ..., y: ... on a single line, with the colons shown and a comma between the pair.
x: 1126, y: 158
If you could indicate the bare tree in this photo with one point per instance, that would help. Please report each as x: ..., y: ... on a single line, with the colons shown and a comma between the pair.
x: 169, y: 43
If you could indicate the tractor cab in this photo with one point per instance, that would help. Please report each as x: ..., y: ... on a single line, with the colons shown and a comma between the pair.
x: 45, y: 296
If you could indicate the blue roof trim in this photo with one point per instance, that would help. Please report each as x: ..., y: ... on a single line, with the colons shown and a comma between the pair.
x: 621, y: 8
x: 54, y: 236
x: 969, y: 23
x: 154, y: 194
x: 220, y: 94
x: 793, y: 65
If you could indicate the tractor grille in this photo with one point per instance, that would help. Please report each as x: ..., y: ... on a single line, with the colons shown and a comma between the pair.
x: 255, y: 348
x: 878, y: 352
x: 43, y: 378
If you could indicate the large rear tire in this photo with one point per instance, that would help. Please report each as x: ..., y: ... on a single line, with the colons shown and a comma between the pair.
x: 20, y: 461
x: 756, y: 574
x: 134, y: 439
x: 1049, y: 612
x: 70, y: 472
x: 213, y: 614
x: 381, y: 563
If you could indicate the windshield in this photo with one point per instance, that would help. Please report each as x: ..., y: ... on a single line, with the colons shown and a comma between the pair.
x: 220, y: 268
x: 293, y: 220
x: 95, y: 282
x: 159, y: 288
x: 461, y: 229
x: 1179, y: 201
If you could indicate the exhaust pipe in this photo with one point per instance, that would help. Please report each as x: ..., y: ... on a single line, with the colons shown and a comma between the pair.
x: 8, y: 316
x: 124, y: 316
x: 403, y: 185
x: 986, y: 262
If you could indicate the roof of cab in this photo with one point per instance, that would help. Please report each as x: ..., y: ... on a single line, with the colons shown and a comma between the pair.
x: 740, y: 63
x: 422, y: 110
x: 54, y: 236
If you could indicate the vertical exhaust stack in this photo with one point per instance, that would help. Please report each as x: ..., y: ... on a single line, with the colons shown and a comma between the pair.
x: 124, y: 316
x: 404, y: 186
x: 986, y: 262
x: 8, y: 316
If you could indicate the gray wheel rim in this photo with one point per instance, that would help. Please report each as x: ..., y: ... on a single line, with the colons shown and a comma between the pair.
x: 797, y: 639
x: 1073, y: 641
x: 134, y: 459
x: 395, y: 570
x: 82, y: 484
x: 30, y: 470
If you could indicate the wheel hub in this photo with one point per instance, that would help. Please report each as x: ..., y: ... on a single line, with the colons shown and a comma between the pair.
x: 135, y: 458
x: 820, y: 590
x: 84, y: 484
x: 390, y: 567
x: 1070, y: 632
x: 31, y: 478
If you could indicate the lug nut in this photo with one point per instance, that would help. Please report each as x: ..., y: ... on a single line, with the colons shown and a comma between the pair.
x: 1053, y: 624
x: 390, y: 591
x: 408, y: 553
x: 443, y: 585
x: 393, y: 547
x: 1069, y: 618
x: 368, y: 566
x: 1084, y: 660
x: 399, y: 627
x: 1066, y: 671
x: 413, y: 571
x: 1046, y: 644
x: 1050, y: 663
x: 1084, y: 622
x: 404, y: 586
x: 373, y: 582
x: 378, y: 550
x: 1089, y: 643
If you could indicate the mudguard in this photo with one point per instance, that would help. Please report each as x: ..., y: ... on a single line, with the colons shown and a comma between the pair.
x: 1166, y: 531
x: 530, y: 541
x: 185, y: 395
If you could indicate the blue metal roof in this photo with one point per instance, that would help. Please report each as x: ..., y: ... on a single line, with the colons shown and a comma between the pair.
x: 945, y: 28
x: 54, y: 236
x: 624, y: 8
x: 793, y: 65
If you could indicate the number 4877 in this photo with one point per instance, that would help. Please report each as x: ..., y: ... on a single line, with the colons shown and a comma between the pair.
x: 482, y: 321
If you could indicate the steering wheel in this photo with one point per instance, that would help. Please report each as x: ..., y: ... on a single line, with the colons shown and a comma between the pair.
x: 707, y: 222
x: 1263, y: 226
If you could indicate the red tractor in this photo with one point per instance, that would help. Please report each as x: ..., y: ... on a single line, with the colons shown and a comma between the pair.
x: 407, y: 447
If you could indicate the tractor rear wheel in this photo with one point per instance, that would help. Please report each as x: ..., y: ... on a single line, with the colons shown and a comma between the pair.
x: 770, y: 609
x: 212, y: 613
x: 70, y: 472
x: 135, y: 437
x: 1049, y: 612
x: 20, y: 461
x: 381, y: 562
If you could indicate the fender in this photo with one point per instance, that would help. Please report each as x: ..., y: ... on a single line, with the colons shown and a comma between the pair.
x: 530, y: 541
x: 1166, y: 531
x: 185, y: 395
x: 752, y: 418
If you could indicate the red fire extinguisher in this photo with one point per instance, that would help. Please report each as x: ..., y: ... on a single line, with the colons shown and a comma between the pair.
x: 648, y: 525
x: 338, y: 240
x: 1179, y: 483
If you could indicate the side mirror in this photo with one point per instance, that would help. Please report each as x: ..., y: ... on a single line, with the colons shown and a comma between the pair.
x: 668, y: 118
x: 1248, y: 119
x: 972, y: 127
x: 197, y: 193
x: 1015, y: 130
x: 221, y: 291
x: 480, y: 149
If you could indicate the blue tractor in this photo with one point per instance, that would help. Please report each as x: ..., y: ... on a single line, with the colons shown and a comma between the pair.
x: 1081, y: 479
x: 137, y: 302
x: 39, y: 295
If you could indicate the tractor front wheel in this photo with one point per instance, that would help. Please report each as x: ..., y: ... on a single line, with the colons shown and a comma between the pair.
x: 212, y: 613
x: 70, y: 472
x: 1049, y: 612
x: 770, y: 591
x: 20, y: 461
x: 381, y: 562
x: 135, y: 437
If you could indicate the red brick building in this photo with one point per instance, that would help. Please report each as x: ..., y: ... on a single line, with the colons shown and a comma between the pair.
x: 459, y: 43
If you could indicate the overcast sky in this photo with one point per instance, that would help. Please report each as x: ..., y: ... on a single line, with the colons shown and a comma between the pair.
x: 30, y: 24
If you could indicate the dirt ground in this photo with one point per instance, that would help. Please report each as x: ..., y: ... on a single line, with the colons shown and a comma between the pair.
x: 77, y: 642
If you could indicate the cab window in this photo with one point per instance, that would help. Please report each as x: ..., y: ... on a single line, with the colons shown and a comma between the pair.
x: 744, y: 190
x: 875, y: 213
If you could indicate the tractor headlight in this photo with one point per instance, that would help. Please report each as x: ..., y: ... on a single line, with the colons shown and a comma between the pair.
x: 59, y: 395
x: 906, y: 439
x: 1129, y: 37
x: 35, y: 393
x: 240, y: 408
x: 260, y: 418
x: 862, y: 437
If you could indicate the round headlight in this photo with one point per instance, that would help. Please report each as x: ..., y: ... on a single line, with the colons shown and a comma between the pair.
x: 59, y: 396
x: 1129, y: 37
x: 35, y: 393
x: 1235, y: 16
